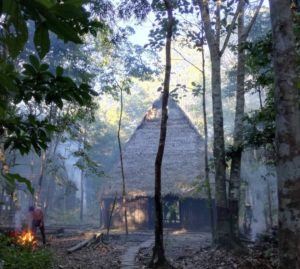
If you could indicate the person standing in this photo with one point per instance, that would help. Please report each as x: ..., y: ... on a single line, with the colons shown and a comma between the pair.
x: 37, y: 216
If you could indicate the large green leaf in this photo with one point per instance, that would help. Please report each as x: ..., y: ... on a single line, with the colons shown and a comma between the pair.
x: 42, y: 40
x: 76, y: 3
x: 9, y: 7
x: 34, y: 61
x: 61, y: 28
x: 17, y: 34
x: 68, y: 11
x: 12, y: 178
x: 47, y: 3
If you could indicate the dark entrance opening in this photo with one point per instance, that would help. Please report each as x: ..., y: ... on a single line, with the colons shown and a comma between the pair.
x: 171, y: 212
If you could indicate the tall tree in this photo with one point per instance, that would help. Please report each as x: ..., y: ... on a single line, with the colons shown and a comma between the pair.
x: 124, y: 202
x: 158, y: 258
x: 213, y: 36
x: 235, y: 170
x: 208, y: 186
x: 287, y: 132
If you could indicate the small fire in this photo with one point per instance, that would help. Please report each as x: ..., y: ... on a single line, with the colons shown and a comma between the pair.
x: 27, y: 238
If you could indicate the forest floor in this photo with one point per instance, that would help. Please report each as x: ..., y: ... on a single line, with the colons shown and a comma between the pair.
x: 102, y: 256
x: 184, y: 250
x: 194, y: 251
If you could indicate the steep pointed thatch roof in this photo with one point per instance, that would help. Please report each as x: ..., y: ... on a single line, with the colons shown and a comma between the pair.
x: 183, y: 162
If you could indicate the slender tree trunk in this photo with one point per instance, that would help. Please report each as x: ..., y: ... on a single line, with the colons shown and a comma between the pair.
x: 158, y: 257
x: 222, y: 222
x: 82, y: 175
x: 41, y: 177
x: 260, y: 98
x: 235, y: 170
x: 212, y: 219
x: 222, y: 235
x: 287, y: 133
x: 270, y: 205
x: 124, y: 202
x: 81, y: 193
x: 111, y: 214
x: 2, y: 191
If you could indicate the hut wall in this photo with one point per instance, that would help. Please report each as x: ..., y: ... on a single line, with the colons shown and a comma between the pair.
x: 195, y: 214
x: 137, y: 213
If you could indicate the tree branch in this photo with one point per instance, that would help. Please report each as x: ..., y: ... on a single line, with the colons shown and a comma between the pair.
x: 209, y: 32
x: 231, y: 27
x: 185, y: 59
x: 250, y: 25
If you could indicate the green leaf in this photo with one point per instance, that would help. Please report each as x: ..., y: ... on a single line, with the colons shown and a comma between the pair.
x: 34, y: 61
x: 7, y: 83
x: 29, y: 70
x: 9, y: 7
x: 76, y: 3
x: 44, y: 67
x: 12, y: 178
x: 42, y: 40
x: 59, y: 71
x: 16, y: 33
x: 47, y: 3
x: 68, y: 11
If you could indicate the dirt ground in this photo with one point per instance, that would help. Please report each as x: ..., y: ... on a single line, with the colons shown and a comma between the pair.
x: 184, y: 250
x: 194, y: 251
x: 102, y: 256
x: 177, y: 243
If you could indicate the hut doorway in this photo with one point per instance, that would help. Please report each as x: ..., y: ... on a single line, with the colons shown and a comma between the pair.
x: 171, y: 212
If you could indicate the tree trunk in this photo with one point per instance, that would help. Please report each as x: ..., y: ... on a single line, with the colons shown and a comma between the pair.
x: 235, y: 170
x: 222, y: 222
x: 212, y: 219
x: 287, y: 133
x: 124, y: 202
x: 270, y: 204
x: 82, y: 174
x: 222, y: 235
x: 41, y: 177
x: 81, y: 194
x: 158, y: 258
x: 111, y: 214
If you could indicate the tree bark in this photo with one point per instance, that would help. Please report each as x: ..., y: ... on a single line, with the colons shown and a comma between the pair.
x: 82, y: 174
x: 81, y: 194
x: 235, y: 170
x: 287, y: 133
x: 212, y: 219
x: 124, y: 202
x: 222, y: 236
x: 41, y: 177
x: 158, y: 258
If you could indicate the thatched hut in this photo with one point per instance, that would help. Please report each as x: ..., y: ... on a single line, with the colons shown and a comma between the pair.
x: 182, y: 173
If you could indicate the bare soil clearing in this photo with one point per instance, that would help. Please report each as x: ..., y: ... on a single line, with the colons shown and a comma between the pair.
x: 101, y: 256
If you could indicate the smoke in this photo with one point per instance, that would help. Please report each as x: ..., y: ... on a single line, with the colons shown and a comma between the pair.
x: 22, y: 218
x: 260, y: 191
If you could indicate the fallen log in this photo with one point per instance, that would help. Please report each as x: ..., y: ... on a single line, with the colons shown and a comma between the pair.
x: 95, y: 240
x: 78, y: 246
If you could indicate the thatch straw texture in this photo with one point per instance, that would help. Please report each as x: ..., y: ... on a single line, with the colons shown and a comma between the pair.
x: 183, y: 161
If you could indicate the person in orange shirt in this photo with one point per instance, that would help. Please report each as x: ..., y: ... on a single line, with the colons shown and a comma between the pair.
x: 37, y: 221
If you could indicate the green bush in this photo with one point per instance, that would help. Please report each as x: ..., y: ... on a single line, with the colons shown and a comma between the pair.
x: 15, y: 256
